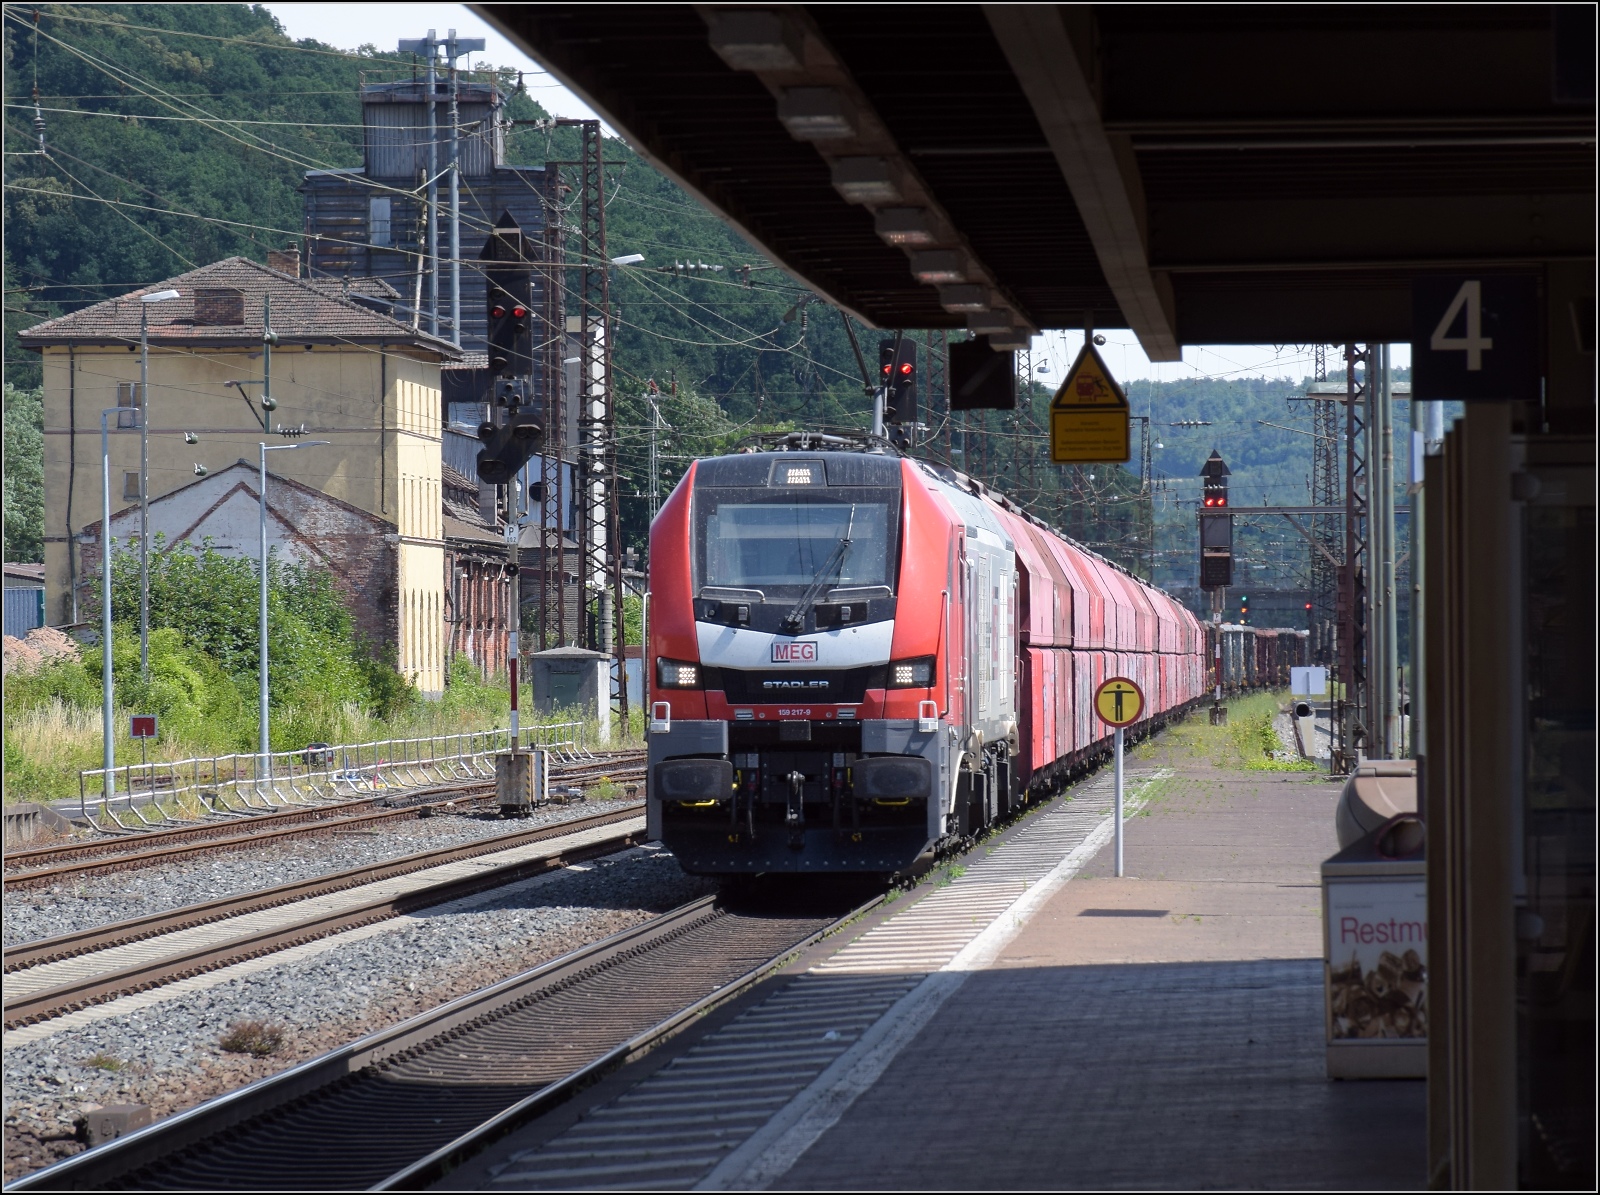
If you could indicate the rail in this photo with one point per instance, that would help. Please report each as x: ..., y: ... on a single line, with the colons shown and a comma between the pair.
x: 151, y: 793
x: 486, y: 1062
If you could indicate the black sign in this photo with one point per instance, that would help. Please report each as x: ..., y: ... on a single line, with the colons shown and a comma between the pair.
x: 1216, y: 533
x: 1216, y: 572
x: 1475, y: 338
x: 982, y: 379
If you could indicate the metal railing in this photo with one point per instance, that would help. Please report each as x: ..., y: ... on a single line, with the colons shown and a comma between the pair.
x: 162, y: 792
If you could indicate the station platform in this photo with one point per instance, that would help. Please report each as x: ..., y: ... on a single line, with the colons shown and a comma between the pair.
x: 1031, y: 1022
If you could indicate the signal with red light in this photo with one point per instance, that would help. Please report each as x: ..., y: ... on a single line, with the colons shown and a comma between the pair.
x: 510, y: 345
x: 899, y: 372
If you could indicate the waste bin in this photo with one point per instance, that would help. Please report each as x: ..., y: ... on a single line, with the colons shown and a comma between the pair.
x: 1375, y: 955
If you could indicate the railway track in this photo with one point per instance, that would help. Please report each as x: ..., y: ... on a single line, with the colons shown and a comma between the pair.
x: 52, y: 976
x: 47, y: 865
x: 395, y: 1108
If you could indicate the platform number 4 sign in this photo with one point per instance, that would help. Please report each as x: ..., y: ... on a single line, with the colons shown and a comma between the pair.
x: 1475, y: 338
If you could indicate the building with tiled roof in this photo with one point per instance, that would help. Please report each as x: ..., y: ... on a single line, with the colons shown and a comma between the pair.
x: 342, y: 368
x: 226, y: 303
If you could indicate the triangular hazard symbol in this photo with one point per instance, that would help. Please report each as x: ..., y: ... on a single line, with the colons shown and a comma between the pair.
x: 1089, y: 383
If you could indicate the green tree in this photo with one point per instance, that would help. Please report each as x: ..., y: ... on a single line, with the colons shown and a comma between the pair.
x: 211, y: 601
x: 24, y: 474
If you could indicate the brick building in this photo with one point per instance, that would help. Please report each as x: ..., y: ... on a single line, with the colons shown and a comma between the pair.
x: 477, y: 589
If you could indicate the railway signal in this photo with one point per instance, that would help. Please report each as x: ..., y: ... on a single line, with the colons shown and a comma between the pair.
x: 1216, y: 525
x: 898, y: 373
x: 509, y: 300
x: 507, y: 448
x: 509, y: 316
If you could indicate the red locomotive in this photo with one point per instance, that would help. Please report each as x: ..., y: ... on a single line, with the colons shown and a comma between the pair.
x: 856, y: 656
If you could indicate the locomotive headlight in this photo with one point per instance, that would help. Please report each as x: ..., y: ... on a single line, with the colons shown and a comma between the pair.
x: 677, y: 674
x: 911, y: 674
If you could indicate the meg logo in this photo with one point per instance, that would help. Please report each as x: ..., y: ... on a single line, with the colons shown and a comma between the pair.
x: 794, y: 653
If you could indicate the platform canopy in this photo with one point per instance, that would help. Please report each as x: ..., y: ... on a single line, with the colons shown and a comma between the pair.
x: 1198, y: 173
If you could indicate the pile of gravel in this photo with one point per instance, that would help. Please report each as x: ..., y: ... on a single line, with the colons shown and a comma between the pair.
x: 167, y: 1054
x: 91, y: 900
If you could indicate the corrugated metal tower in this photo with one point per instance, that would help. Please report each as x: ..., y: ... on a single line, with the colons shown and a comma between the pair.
x: 373, y: 221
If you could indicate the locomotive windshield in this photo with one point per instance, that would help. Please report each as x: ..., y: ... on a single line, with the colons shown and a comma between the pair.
x: 781, y: 545
x: 767, y: 545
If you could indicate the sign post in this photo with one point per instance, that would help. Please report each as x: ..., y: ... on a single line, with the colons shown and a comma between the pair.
x: 1119, y: 702
x: 143, y: 728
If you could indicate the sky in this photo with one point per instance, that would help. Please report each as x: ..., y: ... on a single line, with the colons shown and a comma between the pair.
x: 1127, y: 362
x: 348, y: 26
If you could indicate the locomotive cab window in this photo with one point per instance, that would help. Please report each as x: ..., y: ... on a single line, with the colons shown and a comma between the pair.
x: 779, y: 544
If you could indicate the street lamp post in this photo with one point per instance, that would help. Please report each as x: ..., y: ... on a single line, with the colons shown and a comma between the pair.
x: 108, y: 758
x: 143, y: 407
x: 266, y: 727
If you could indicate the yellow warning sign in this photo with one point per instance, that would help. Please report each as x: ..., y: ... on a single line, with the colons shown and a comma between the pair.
x: 1118, y: 701
x: 1089, y: 415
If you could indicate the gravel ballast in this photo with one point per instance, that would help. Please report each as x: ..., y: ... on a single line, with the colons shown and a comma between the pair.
x: 167, y: 1055
x: 99, y: 899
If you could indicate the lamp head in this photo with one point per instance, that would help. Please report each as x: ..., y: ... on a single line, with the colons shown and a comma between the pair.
x: 160, y: 296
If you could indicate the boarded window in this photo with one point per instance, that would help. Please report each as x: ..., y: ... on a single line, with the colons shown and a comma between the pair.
x: 128, y: 395
x: 130, y: 485
x: 378, y: 222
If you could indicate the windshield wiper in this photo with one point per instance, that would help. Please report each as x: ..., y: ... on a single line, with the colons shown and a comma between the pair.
x: 794, y: 621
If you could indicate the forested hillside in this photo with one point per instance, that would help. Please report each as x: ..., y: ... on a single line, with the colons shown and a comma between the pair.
x: 177, y: 135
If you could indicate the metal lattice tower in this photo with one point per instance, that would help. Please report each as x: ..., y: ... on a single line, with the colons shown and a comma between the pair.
x: 1146, y: 529
x: 938, y: 374
x: 1326, y: 530
x: 548, y: 475
x: 1351, y: 718
x: 1023, y: 452
x: 597, y: 425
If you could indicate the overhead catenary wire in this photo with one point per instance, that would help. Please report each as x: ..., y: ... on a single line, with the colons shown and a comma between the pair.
x: 656, y: 291
x: 212, y: 121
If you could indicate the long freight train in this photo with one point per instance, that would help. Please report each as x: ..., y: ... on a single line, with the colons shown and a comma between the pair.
x: 856, y: 656
x: 1247, y: 657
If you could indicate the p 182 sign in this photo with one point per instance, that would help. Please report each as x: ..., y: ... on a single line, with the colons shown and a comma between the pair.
x: 1475, y: 338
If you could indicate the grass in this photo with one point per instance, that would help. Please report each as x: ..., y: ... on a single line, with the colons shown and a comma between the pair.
x: 48, y: 744
x: 1247, y: 743
x: 256, y: 1038
x: 104, y: 1062
x: 951, y: 874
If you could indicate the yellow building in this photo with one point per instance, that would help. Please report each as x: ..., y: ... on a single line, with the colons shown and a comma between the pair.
x: 341, y: 368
